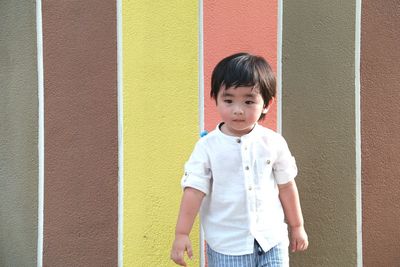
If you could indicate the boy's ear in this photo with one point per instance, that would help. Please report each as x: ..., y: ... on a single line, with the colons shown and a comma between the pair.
x: 266, y: 108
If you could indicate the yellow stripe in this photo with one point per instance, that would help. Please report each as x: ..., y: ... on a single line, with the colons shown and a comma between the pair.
x: 160, y: 63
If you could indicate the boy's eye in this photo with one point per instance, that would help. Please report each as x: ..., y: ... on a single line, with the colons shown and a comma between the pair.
x: 227, y: 101
x: 249, y: 102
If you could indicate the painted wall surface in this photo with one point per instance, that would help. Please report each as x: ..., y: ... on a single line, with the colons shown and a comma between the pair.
x: 18, y: 134
x: 318, y: 102
x: 161, y: 61
x: 232, y: 27
x: 81, y: 133
x: 380, y: 97
x: 160, y: 47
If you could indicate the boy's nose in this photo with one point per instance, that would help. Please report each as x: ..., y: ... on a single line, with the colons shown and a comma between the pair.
x: 238, y: 111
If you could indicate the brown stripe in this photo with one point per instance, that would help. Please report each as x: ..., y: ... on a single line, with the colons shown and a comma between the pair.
x: 380, y: 79
x: 81, y: 150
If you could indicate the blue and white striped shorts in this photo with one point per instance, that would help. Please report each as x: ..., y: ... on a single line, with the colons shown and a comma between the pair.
x: 277, y: 256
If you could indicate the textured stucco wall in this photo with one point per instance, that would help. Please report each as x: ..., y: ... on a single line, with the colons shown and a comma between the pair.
x: 238, y: 26
x: 81, y: 133
x: 160, y: 46
x: 18, y: 134
x: 380, y: 97
x: 319, y: 124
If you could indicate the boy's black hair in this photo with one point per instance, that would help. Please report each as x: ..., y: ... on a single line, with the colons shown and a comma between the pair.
x: 244, y: 69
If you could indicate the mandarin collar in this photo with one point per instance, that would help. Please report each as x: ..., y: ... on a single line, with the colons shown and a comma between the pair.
x: 238, y: 139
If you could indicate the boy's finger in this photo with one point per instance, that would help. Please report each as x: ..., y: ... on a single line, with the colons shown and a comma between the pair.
x: 305, y: 245
x: 302, y: 246
x: 178, y: 258
x: 181, y: 262
x: 189, y: 251
x: 293, y: 245
x: 298, y: 247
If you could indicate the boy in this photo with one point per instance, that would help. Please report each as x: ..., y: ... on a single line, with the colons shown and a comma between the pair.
x: 241, y: 176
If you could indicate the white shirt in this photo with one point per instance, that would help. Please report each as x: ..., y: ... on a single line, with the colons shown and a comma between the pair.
x: 239, y: 177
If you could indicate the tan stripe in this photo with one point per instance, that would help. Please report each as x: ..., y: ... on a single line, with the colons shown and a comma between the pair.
x: 318, y: 120
x: 18, y: 134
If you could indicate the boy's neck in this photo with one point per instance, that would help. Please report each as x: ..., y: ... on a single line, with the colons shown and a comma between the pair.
x: 222, y: 127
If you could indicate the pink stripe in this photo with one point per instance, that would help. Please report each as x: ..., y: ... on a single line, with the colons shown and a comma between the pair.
x: 238, y: 26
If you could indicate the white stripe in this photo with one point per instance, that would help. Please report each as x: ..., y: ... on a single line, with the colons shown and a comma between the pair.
x: 357, y: 53
x: 39, y: 40
x: 120, y: 136
x: 201, y: 67
x: 201, y: 105
x: 279, y: 68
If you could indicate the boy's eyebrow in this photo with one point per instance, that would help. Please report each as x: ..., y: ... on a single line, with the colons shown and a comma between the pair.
x: 251, y: 95
x: 225, y: 94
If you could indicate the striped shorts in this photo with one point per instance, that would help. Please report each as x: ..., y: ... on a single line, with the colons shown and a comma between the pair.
x: 277, y: 256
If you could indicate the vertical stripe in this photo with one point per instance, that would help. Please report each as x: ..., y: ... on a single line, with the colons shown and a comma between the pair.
x: 120, y: 136
x: 357, y: 105
x: 201, y: 111
x: 39, y: 34
x: 161, y: 80
x: 81, y: 133
x: 380, y: 132
x: 279, y: 68
x: 319, y: 123
x: 236, y: 26
x: 18, y: 134
x: 201, y: 66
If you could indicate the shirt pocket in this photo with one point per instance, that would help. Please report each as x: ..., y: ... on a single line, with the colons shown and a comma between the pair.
x: 264, y: 170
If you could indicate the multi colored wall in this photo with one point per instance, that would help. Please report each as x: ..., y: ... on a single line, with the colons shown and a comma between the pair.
x: 101, y: 103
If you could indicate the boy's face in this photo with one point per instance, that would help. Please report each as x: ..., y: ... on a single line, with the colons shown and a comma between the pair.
x: 240, y: 108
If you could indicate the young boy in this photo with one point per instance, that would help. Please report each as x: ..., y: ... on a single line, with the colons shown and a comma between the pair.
x: 241, y: 176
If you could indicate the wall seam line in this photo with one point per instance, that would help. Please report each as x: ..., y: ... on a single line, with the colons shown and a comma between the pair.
x: 279, y: 67
x: 201, y: 104
x: 40, y: 70
x: 120, y: 135
x: 358, y: 131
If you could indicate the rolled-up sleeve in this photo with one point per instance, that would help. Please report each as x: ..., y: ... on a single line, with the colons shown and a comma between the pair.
x: 197, y: 173
x: 285, y: 168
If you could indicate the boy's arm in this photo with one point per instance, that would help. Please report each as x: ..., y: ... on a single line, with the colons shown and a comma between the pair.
x: 289, y: 197
x: 190, y: 206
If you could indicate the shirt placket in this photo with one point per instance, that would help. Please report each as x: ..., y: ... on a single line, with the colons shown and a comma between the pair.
x: 249, y: 182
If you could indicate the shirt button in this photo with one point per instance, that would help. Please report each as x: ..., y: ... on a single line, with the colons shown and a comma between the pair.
x: 268, y: 161
x: 250, y: 188
x: 247, y: 168
x: 238, y: 141
x: 245, y: 148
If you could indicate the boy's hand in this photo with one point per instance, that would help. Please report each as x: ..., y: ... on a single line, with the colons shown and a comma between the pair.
x: 181, y: 244
x: 298, y: 239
